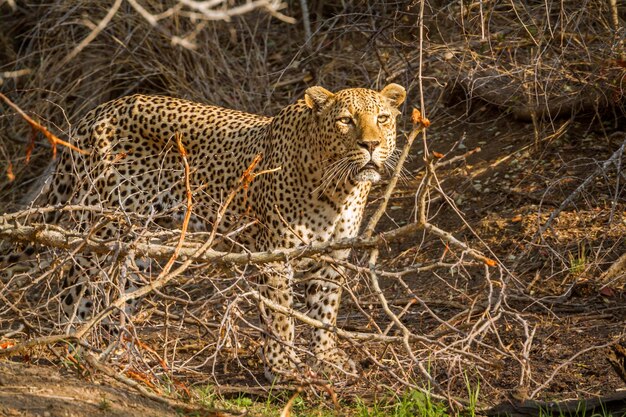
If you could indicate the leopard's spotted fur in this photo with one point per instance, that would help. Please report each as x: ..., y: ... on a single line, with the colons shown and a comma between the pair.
x: 329, y: 148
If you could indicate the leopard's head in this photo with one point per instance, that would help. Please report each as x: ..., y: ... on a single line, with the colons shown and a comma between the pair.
x: 358, y: 127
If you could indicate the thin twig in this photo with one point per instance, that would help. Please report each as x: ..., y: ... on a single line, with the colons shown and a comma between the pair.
x: 94, y: 33
x: 601, y: 169
x: 52, y: 138
x: 188, y: 211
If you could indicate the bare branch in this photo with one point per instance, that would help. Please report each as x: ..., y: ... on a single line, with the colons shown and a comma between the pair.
x: 52, y: 138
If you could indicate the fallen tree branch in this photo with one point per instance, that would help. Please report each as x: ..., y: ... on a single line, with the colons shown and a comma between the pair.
x: 57, y: 237
x: 613, y: 404
x: 42, y: 340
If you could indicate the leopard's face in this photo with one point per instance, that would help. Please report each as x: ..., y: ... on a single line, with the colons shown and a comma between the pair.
x: 359, y: 129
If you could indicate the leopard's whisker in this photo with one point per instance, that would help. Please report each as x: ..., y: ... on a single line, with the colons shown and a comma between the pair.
x: 331, y: 173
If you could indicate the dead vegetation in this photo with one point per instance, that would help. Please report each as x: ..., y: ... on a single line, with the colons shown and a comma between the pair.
x: 522, y: 165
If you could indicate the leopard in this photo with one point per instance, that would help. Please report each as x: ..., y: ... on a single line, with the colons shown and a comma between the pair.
x: 319, y: 156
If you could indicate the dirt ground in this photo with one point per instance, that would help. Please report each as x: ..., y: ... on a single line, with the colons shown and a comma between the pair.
x: 32, y: 390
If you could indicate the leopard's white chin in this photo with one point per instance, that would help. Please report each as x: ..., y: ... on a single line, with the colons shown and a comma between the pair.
x: 369, y: 173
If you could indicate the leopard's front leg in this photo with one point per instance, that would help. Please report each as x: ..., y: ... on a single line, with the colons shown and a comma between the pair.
x: 278, y: 352
x: 323, y: 295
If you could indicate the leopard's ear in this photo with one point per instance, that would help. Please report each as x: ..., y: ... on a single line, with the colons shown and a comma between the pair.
x: 395, y: 94
x: 316, y: 98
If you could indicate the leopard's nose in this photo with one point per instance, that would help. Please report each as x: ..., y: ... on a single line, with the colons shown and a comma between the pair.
x: 369, y: 145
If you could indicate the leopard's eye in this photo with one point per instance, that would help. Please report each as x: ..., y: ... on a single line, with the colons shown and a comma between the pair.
x: 383, y: 118
x: 345, y: 120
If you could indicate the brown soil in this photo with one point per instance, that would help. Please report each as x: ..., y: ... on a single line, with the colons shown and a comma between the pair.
x: 27, y: 389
